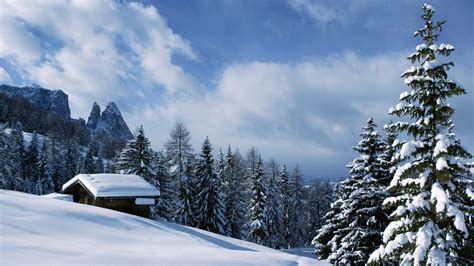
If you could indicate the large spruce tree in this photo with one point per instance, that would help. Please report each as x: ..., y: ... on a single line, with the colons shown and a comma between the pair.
x: 357, y: 220
x: 257, y: 220
x: 285, y: 206
x: 209, y: 214
x: 273, y: 208
x: 433, y: 199
x: 166, y: 205
x: 296, y: 215
x: 31, y: 165
x: 5, y: 168
x: 233, y: 191
x: 136, y: 158
x: 16, y: 158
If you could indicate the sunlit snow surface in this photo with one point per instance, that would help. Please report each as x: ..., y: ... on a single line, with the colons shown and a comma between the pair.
x: 38, y: 230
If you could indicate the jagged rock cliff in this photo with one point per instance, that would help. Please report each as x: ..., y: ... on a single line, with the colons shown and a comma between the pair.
x: 110, y: 122
x: 55, y: 101
x: 93, y: 117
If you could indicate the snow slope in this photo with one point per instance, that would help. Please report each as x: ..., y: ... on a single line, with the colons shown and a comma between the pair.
x: 39, y: 230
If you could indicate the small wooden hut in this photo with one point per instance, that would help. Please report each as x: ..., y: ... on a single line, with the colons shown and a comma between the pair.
x: 125, y: 193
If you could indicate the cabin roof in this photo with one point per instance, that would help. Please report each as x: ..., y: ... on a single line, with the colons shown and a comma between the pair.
x: 113, y: 185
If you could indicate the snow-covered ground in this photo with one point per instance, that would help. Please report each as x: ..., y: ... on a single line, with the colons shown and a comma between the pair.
x: 39, y: 230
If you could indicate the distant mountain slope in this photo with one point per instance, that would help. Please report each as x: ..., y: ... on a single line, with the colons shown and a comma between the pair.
x: 39, y: 230
x: 47, y: 112
x: 55, y: 101
x: 18, y: 109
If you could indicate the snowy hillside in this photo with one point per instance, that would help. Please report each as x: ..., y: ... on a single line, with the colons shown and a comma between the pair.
x: 42, y: 230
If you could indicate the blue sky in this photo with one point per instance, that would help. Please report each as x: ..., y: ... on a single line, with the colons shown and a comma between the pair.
x: 295, y: 78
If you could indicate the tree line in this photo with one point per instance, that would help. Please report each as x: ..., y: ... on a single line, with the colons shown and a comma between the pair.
x: 220, y: 191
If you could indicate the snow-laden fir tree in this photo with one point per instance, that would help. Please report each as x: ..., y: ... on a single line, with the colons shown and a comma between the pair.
x: 180, y: 159
x: 55, y: 164
x: 16, y: 158
x: 210, y: 208
x: 319, y: 199
x: 355, y: 221
x: 285, y: 206
x: 88, y: 164
x: 136, y: 158
x: 296, y: 215
x: 31, y: 165
x: 433, y: 187
x: 273, y: 207
x: 328, y: 237
x: 5, y: 168
x: 233, y: 191
x: 257, y: 220
x: 386, y: 157
x: 44, y: 184
x: 167, y: 201
x: 98, y: 165
x: 223, y: 185
x: 362, y: 209
x: 71, y: 159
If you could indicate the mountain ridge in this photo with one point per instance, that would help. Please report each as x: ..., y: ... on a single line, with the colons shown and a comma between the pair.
x: 55, y: 101
x: 47, y: 112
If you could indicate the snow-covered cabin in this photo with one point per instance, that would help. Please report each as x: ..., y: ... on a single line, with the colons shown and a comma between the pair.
x: 120, y: 192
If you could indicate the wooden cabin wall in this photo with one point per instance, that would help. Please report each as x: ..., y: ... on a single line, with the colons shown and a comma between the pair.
x: 124, y: 205
x: 121, y: 204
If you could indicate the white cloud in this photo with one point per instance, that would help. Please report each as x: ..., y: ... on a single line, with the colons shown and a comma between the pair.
x: 324, y: 12
x: 4, y: 76
x: 93, y: 49
x: 315, y: 10
x: 17, y: 43
x: 309, y: 112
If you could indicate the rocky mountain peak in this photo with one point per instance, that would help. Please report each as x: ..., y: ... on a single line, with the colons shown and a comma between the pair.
x: 112, y: 108
x: 110, y: 122
x: 94, y: 116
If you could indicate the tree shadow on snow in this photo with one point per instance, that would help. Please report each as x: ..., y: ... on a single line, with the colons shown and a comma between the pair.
x: 209, y: 238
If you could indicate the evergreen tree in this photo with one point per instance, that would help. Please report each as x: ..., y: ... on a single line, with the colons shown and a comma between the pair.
x: 44, y: 184
x: 88, y: 166
x: 223, y: 177
x: 167, y: 202
x: 273, y: 208
x: 386, y: 157
x: 432, y: 186
x: 209, y: 204
x: 355, y: 221
x: 233, y: 191
x: 136, y: 157
x: 296, y: 215
x: 5, y: 168
x: 319, y: 199
x: 257, y: 220
x: 363, y: 206
x: 99, y: 165
x: 71, y: 159
x: 54, y: 163
x: 286, y: 206
x: 31, y: 165
x: 180, y: 158
x: 249, y: 171
x: 329, y: 236
x: 16, y: 157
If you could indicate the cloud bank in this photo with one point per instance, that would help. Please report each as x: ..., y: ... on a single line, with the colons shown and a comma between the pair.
x: 93, y: 49
x: 307, y: 112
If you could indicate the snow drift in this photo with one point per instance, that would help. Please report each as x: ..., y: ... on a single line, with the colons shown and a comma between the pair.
x: 40, y: 230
